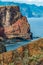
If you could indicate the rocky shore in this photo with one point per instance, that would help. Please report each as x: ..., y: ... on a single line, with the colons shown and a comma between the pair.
x: 13, y: 24
x: 30, y: 54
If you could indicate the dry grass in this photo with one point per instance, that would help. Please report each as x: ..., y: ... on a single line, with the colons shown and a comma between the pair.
x: 31, y: 54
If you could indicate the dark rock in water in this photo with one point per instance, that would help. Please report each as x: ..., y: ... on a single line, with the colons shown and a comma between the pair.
x: 13, y: 24
x: 2, y: 48
x: 31, y: 35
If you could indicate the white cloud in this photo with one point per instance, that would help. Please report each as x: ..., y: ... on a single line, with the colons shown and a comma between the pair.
x: 25, y: 0
x: 38, y: 2
x: 6, y: 0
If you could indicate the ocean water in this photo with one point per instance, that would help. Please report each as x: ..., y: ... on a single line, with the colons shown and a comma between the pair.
x: 36, y: 26
x: 16, y: 45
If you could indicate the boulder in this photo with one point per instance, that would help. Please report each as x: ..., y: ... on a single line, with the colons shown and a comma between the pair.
x: 13, y: 23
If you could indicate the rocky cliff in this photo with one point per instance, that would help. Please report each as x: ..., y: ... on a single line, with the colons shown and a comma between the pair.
x: 13, y: 24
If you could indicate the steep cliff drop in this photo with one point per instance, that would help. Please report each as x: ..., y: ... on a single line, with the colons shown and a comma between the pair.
x: 14, y: 25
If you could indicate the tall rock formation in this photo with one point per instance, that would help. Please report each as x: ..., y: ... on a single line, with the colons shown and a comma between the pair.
x: 13, y: 24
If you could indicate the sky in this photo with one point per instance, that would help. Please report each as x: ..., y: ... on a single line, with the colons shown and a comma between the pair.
x: 37, y: 2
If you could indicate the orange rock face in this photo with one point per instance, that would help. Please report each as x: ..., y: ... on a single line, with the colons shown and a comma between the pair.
x: 20, y: 27
x: 14, y: 24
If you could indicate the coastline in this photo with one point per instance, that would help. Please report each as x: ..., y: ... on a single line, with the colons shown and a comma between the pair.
x: 19, y: 44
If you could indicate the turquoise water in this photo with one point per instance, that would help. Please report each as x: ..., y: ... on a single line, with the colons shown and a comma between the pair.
x: 16, y: 45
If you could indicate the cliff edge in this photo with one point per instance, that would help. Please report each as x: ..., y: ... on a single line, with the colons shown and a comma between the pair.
x: 13, y: 24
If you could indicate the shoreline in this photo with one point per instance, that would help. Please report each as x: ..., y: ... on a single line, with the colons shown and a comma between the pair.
x: 19, y: 44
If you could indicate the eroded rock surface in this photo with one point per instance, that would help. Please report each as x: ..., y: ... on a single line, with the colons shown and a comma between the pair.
x: 12, y: 23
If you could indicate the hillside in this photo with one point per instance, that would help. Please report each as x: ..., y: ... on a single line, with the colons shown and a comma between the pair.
x: 30, y: 54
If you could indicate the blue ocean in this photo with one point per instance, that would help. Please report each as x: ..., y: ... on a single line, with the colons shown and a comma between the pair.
x: 36, y: 25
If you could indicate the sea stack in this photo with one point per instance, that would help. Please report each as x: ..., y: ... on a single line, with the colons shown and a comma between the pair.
x: 13, y: 24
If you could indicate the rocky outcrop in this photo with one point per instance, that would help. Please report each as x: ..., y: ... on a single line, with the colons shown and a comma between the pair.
x: 2, y: 48
x: 30, y: 54
x: 13, y: 24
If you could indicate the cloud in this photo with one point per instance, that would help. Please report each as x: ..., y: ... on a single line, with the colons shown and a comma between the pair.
x: 37, y: 2
x: 24, y: 0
